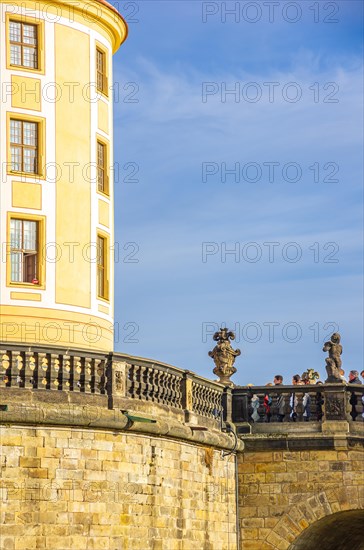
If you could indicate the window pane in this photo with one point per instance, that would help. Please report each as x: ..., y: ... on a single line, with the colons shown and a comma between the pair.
x: 101, y: 167
x: 30, y: 235
x: 16, y: 267
x: 15, y: 31
x: 30, y: 133
x: 100, y: 251
x: 100, y: 61
x: 24, y: 250
x: 30, y: 161
x: 16, y: 234
x: 15, y: 55
x: 30, y: 57
x: 101, y: 267
x: 15, y: 131
x: 16, y: 164
x: 100, y: 154
x: 30, y: 265
x: 30, y: 34
x: 100, y: 70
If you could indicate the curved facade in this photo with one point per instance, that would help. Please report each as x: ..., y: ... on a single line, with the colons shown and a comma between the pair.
x: 56, y: 157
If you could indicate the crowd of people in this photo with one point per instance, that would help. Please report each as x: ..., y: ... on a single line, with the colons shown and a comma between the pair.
x: 297, y: 380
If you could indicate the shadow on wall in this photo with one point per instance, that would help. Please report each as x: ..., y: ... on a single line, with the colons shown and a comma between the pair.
x: 341, y: 531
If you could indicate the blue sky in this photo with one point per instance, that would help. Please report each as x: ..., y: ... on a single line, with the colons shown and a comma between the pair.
x: 296, y: 273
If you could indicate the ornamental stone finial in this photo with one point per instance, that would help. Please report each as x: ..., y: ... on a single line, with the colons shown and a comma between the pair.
x: 224, y: 356
x: 333, y: 361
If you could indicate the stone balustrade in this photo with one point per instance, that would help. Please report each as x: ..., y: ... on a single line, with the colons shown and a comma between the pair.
x: 328, y: 402
x: 114, y: 376
x: 124, y: 379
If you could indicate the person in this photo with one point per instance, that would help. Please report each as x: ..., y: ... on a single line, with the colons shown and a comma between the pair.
x: 293, y: 400
x: 354, y: 379
x: 362, y: 374
x: 255, y: 406
x: 281, y: 402
x: 342, y: 375
x: 267, y: 404
x: 306, y: 407
x: 319, y: 403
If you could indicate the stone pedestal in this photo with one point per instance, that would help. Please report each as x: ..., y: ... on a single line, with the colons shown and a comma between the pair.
x: 335, y: 404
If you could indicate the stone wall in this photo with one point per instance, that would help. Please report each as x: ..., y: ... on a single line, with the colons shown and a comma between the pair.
x: 285, y: 491
x: 78, y: 488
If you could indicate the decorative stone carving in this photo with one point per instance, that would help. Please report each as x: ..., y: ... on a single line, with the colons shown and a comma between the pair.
x: 311, y: 375
x: 119, y: 378
x: 224, y: 356
x: 119, y: 382
x: 333, y: 361
x: 334, y: 408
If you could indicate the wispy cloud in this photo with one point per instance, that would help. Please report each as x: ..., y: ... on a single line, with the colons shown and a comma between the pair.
x: 170, y: 133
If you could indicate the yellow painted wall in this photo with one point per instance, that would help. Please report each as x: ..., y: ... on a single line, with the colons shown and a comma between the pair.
x: 26, y: 195
x: 104, y: 213
x: 27, y: 324
x: 73, y: 203
x: 95, y: 15
x: 29, y: 296
x: 103, y: 116
x: 26, y: 93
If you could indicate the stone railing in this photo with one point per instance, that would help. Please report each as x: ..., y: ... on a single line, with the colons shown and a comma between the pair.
x: 114, y: 376
x: 157, y: 382
x: 39, y: 368
x: 327, y: 402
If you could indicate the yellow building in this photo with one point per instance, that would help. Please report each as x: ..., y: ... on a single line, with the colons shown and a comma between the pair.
x: 56, y: 149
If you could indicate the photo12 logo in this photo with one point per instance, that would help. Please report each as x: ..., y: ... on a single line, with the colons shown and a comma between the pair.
x: 252, y: 332
x: 269, y: 172
x: 270, y: 252
x: 270, y: 12
x: 269, y: 92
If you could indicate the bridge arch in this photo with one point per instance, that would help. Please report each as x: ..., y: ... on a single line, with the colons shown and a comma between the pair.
x: 330, y: 520
x: 340, y: 531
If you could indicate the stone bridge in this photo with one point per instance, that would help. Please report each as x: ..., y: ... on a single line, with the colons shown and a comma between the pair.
x: 122, y: 453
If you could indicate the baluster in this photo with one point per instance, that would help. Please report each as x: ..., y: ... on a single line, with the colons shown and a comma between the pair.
x: 78, y: 377
x: 55, y: 371
x: 152, y: 386
x: 88, y: 375
x: 135, y: 386
x: 156, y: 388
x: 6, y: 359
x: 100, y: 376
x: 130, y: 370
x: 178, y: 392
x: 299, y: 397
x: 67, y: 376
x: 142, y: 382
x: 163, y: 380
x: 43, y: 371
x: 18, y: 370
x: 31, y: 375
x: 138, y: 381
x: 166, y: 388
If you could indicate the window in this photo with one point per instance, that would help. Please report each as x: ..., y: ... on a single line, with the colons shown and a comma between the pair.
x: 101, y: 80
x: 23, y: 44
x: 102, y: 177
x: 24, y: 146
x: 101, y: 268
x: 24, y: 251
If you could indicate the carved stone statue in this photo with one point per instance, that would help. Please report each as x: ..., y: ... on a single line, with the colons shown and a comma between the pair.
x: 311, y: 375
x: 333, y: 361
x: 224, y: 356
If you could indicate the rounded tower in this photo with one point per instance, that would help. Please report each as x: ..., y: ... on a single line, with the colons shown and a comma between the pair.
x: 56, y: 150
